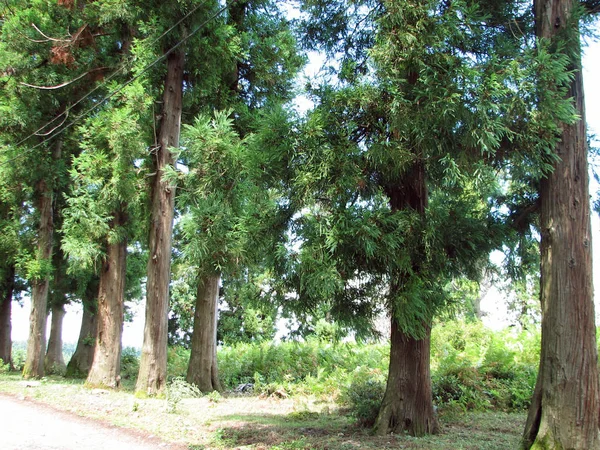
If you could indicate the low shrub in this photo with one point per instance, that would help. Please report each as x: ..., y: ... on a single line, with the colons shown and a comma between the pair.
x: 130, y: 363
x: 473, y: 368
x: 177, y: 361
x: 363, y: 395
x: 177, y: 390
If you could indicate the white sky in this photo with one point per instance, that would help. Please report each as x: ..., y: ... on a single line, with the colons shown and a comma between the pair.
x: 133, y: 332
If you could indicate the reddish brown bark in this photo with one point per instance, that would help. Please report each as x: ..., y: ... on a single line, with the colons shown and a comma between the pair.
x: 106, y: 364
x: 153, y: 362
x: 6, y: 295
x: 36, y: 343
x: 54, y: 362
x: 202, y: 368
x: 566, y: 403
x: 407, y: 405
x: 82, y: 359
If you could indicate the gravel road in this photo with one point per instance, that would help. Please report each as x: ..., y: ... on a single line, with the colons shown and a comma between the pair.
x: 27, y: 425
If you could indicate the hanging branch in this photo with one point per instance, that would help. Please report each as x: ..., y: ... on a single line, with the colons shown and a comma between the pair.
x: 66, y: 114
x: 48, y: 37
x: 66, y: 83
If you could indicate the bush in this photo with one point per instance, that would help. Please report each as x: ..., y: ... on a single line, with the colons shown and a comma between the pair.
x: 178, y: 358
x: 177, y: 390
x: 296, y: 363
x: 130, y: 363
x: 473, y: 368
x: 364, y: 395
x: 476, y: 368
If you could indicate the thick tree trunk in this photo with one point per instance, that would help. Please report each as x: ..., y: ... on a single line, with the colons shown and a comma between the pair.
x: 81, y: 361
x: 5, y: 316
x: 565, y: 409
x: 106, y: 365
x: 54, y: 362
x: 407, y: 405
x: 202, y: 368
x: 153, y: 362
x: 36, y: 344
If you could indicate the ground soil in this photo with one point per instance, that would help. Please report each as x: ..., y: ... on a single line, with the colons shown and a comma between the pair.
x: 33, y: 426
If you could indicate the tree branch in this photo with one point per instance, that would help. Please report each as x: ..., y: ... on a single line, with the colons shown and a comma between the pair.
x: 591, y: 6
x: 66, y: 83
x: 48, y: 37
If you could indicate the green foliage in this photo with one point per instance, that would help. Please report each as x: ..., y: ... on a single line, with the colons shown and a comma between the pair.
x: 318, y: 365
x: 177, y: 390
x: 4, y: 367
x: 130, y: 363
x: 473, y: 368
x: 177, y: 361
x: 476, y: 368
x: 19, y: 355
x: 364, y: 395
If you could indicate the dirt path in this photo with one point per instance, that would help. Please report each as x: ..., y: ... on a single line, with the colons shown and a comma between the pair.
x: 31, y: 426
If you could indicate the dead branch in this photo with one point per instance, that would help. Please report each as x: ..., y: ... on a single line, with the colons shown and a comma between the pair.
x: 62, y: 85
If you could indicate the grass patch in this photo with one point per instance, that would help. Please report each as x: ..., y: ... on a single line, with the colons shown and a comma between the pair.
x: 255, y: 422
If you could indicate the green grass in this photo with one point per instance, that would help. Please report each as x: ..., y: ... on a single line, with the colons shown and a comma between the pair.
x: 314, y: 395
x: 255, y: 422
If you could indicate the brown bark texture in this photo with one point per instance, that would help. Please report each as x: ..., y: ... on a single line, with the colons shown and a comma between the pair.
x: 106, y: 364
x: 81, y: 361
x: 565, y: 408
x: 153, y: 362
x: 6, y: 295
x: 36, y: 343
x: 54, y: 363
x: 202, y: 368
x: 407, y: 406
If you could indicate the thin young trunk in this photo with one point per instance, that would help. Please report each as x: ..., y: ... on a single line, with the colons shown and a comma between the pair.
x: 153, y: 362
x: 106, y: 365
x: 5, y: 316
x: 54, y: 362
x: 407, y: 405
x: 565, y: 409
x: 202, y: 368
x: 36, y: 343
x: 81, y: 361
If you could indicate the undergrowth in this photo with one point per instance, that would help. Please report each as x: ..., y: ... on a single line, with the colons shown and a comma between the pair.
x: 473, y: 369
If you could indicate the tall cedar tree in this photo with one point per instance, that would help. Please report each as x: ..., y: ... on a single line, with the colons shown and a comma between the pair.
x: 400, y: 164
x: 48, y: 54
x: 81, y: 361
x: 103, y: 200
x: 229, y: 196
x: 566, y: 400
x: 11, y: 237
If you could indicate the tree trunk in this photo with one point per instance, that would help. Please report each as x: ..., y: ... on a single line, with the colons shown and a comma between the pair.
x: 36, y: 343
x: 202, y: 368
x: 106, y: 365
x: 565, y: 409
x: 54, y: 362
x: 407, y: 405
x: 5, y: 316
x: 81, y: 361
x: 153, y: 362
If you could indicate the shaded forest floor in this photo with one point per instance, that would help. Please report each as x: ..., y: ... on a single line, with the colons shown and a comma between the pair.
x: 257, y: 422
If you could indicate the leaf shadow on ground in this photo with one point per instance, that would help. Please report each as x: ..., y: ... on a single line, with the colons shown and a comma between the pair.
x: 310, y: 430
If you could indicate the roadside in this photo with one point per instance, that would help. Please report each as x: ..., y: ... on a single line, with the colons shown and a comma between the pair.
x: 215, y: 422
x: 33, y: 426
